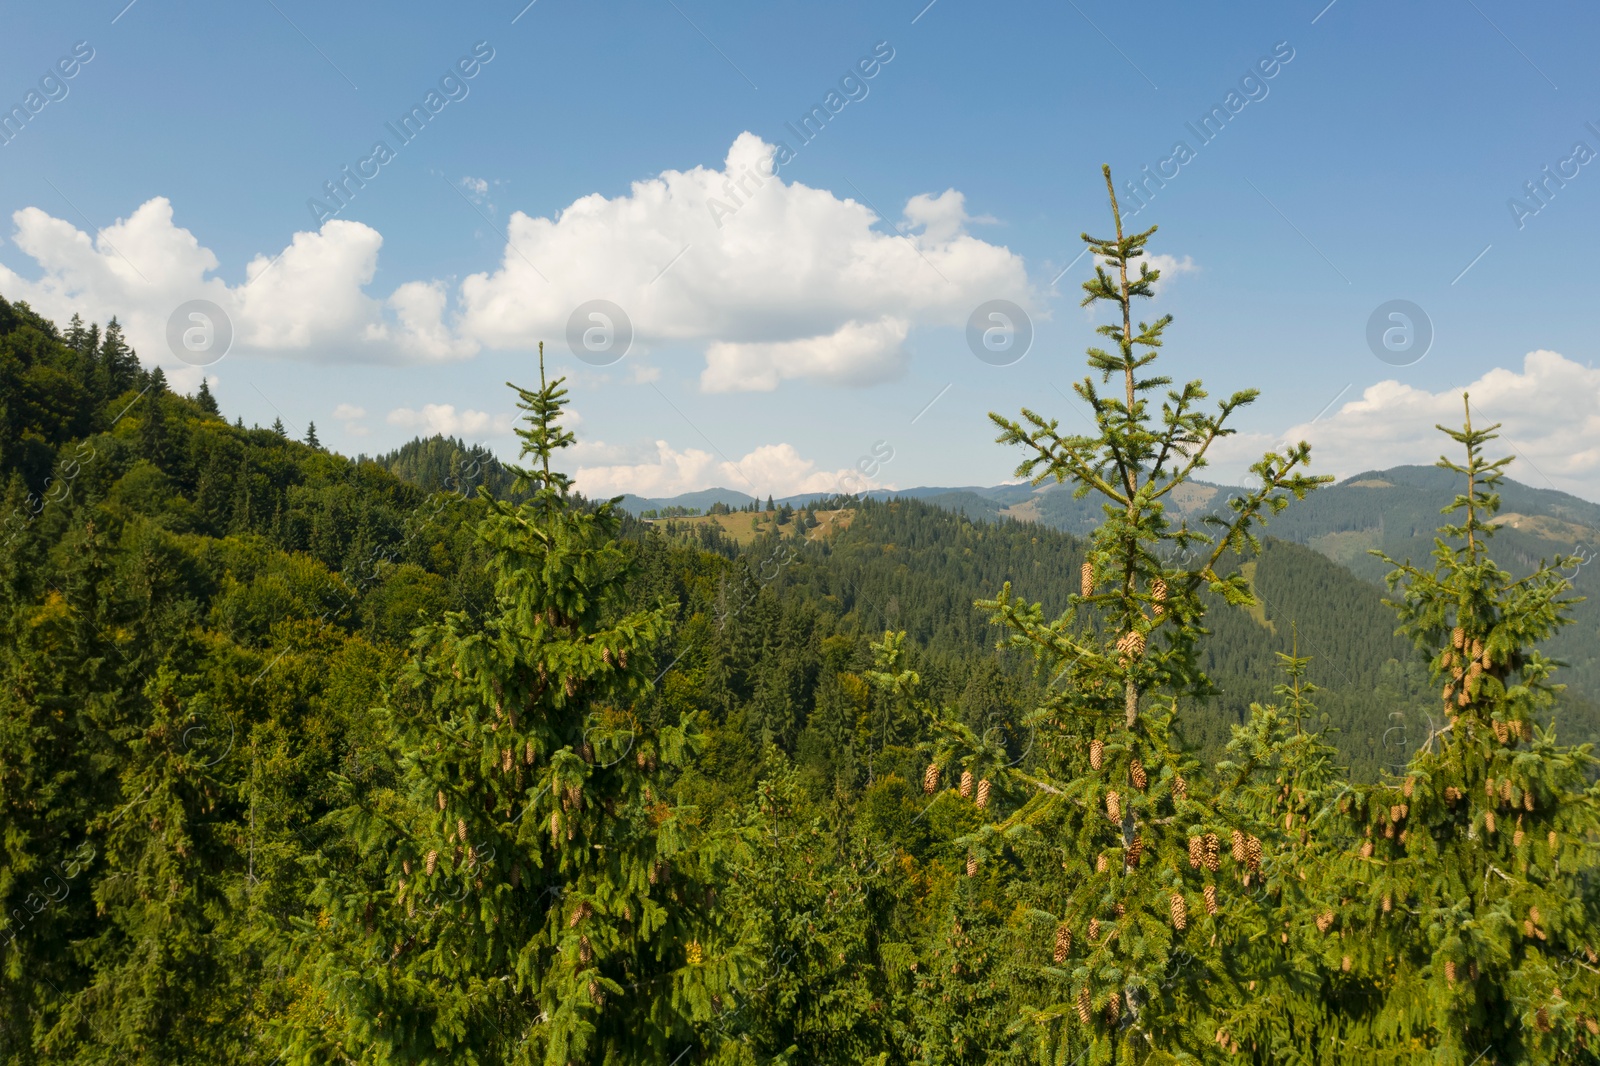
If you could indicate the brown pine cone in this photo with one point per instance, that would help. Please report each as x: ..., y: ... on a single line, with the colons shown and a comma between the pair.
x: 1114, y: 1007
x: 1158, y: 593
x: 1063, y: 942
x: 972, y: 864
x: 1458, y: 638
x: 1450, y: 971
x: 966, y: 784
x: 1197, y: 851
x: 983, y: 794
x: 930, y: 778
x: 1180, y: 787
x: 1136, y: 772
x: 1324, y: 921
x: 1135, y: 850
x: 1114, y: 806
x: 1409, y: 787
x: 1527, y: 799
x: 1085, y: 1006
x: 1100, y: 864
x: 1180, y: 912
x: 1388, y: 903
x: 1094, y: 930
x: 1086, y: 582
x: 1253, y: 853
x: 441, y: 799
x: 1344, y: 964
x: 1211, y: 900
x: 1488, y: 821
x: 1238, y: 846
x: 1212, y: 847
x: 1501, y: 732
x: 1097, y: 752
x: 430, y: 862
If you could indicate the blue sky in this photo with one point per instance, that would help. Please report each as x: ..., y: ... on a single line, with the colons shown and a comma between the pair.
x: 782, y: 332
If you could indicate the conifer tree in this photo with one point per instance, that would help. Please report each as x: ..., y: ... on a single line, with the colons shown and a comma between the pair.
x: 207, y: 402
x: 1133, y: 944
x: 117, y: 365
x: 534, y: 895
x: 311, y: 436
x: 1282, y: 779
x: 153, y: 427
x: 277, y: 427
x: 1474, y: 901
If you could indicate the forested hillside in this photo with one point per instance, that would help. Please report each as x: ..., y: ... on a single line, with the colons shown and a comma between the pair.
x: 429, y: 759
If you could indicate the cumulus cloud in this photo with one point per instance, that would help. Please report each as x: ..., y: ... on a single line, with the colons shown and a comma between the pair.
x: 1550, y: 411
x: 771, y: 279
x: 444, y: 419
x: 772, y: 469
x: 776, y: 279
x: 309, y: 299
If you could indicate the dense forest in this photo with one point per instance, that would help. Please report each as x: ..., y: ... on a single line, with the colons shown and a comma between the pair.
x: 427, y: 758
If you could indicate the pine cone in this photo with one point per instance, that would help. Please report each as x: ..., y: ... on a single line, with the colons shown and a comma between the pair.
x: 1197, y: 851
x: 1211, y: 900
x: 930, y: 778
x: 1501, y: 732
x: 966, y: 784
x: 1253, y: 853
x: 1135, y: 850
x: 1086, y: 580
x: 1517, y: 837
x: 582, y: 911
x: 555, y: 826
x: 1085, y: 1006
x: 1324, y: 921
x: 1344, y: 964
x: 1477, y: 648
x: 972, y: 864
x: 1131, y: 645
x: 430, y: 862
x: 585, y: 951
x: 1553, y: 840
x: 1136, y: 771
x: 1527, y: 799
x: 1394, y: 813
x: 527, y: 754
x: 1158, y: 592
x: 1238, y: 846
x: 1592, y: 1025
x: 461, y: 829
x: 1180, y: 788
x: 1063, y: 942
x: 1488, y: 820
x: 1541, y: 1018
x: 1450, y: 971
x: 1114, y: 806
x: 1121, y: 909
x: 1094, y: 930
x: 441, y: 799
x: 1097, y: 752
x: 1409, y: 787
x: 1452, y: 794
x: 1505, y: 790
x: 983, y: 794
x: 405, y: 866
x: 1533, y: 915
x: 1180, y: 912
x: 1388, y: 831
x: 1212, y: 848
x: 596, y: 996
x: 1114, y: 1007
x: 1388, y: 903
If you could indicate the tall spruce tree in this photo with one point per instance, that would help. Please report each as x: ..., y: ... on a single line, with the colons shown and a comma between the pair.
x: 1133, y: 943
x: 533, y: 895
x: 1473, y: 896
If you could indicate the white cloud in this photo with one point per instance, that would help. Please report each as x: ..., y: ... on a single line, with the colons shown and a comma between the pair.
x: 772, y: 279
x: 308, y: 300
x: 349, y: 412
x: 772, y: 469
x: 443, y: 418
x: 1550, y: 412
x: 776, y: 279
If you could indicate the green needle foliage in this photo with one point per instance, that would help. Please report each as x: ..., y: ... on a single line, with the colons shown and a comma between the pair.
x: 1135, y: 947
x: 1473, y: 896
x: 532, y: 896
